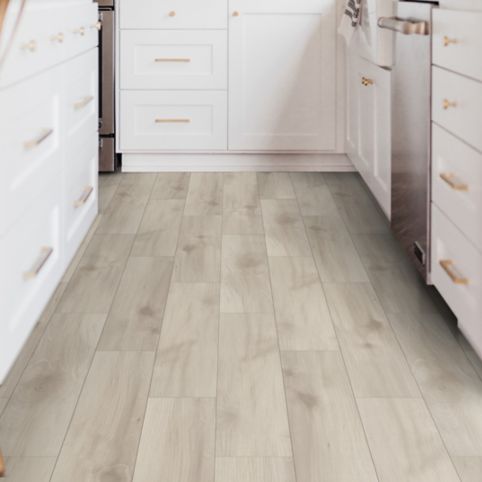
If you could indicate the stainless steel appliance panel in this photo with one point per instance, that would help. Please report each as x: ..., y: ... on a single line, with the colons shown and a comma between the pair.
x: 411, y: 116
x: 107, y: 73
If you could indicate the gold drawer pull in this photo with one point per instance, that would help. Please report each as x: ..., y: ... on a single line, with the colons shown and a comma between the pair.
x: 366, y: 81
x: 454, y: 275
x: 45, y: 253
x: 453, y: 182
x: 450, y: 41
x: 80, y: 104
x: 80, y: 31
x: 236, y: 14
x: 59, y: 38
x: 172, y: 13
x: 173, y: 59
x: 173, y: 121
x: 30, y: 46
x: 84, y: 197
x: 97, y: 26
x: 44, y: 135
x: 447, y: 104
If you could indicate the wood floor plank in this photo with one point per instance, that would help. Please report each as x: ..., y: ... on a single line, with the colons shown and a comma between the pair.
x: 468, y: 468
x: 124, y: 213
x: 29, y: 469
x: 171, y: 185
x: 241, y: 208
x: 9, y: 384
x: 404, y: 441
x: 376, y: 364
x: 177, y: 442
x: 254, y: 469
x: 437, y: 361
x: 205, y: 195
x: 251, y: 408
x: 104, y: 433
x: 135, y: 318
x: 39, y: 412
x: 302, y: 315
x: 186, y: 362
x: 245, y: 283
x: 314, y: 197
x: 94, y: 284
x: 328, y: 439
x: 284, y: 228
x: 335, y: 255
x: 275, y: 185
x: 159, y: 229
x: 108, y: 184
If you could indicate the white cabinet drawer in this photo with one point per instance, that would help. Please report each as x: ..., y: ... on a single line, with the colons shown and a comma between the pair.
x: 80, y: 192
x: 457, y: 37
x: 457, y: 183
x: 457, y: 274
x: 174, y: 14
x: 31, y: 260
x: 194, y: 59
x: 80, y: 95
x: 168, y: 120
x: 47, y: 34
x: 30, y: 154
x: 457, y: 105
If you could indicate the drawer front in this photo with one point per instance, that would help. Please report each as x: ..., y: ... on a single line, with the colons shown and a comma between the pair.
x: 30, y: 126
x: 456, y: 268
x: 457, y: 183
x: 457, y: 37
x: 80, y: 192
x: 32, y: 263
x: 47, y: 34
x: 171, y: 120
x: 81, y: 101
x: 457, y: 105
x: 174, y: 14
x: 174, y: 60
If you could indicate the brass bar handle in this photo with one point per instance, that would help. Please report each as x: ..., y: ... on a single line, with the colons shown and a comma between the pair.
x: 45, y: 253
x: 173, y: 121
x: 448, y: 266
x: 405, y: 26
x: 30, y: 46
x: 44, y: 135
x: 172, y: 13
x: 80, y: 104
x: 447, y: 104
x: 80, y: 31
x: 449, y: 41
x: 97, y: 26
x: 84, y: 197
x: 59, y: 38
x: 367, y: 81
x: 453, y: 182
x: 173, y: 59
x: 236, y: 14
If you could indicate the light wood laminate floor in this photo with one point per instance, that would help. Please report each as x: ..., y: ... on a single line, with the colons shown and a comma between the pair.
x: 242, y: 327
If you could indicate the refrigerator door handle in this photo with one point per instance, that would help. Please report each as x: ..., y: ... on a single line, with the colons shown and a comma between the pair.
x: 408, y: 26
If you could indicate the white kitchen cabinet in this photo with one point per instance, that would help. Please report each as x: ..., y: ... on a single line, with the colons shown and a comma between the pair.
x: 368, y: 126
x: 282, y: 75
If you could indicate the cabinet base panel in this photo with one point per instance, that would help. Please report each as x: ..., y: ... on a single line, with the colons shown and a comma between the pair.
x: 210, y: 162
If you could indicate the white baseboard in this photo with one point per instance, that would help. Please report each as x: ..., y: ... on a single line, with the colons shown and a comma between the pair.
x: 235, y: 162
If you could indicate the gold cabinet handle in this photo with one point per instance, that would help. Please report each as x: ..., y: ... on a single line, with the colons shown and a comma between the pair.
x: 172, y: 13
x: 448, y: 266
x: 449, y: 41
x: 453, y: 182
x: 59, y: 38
x: 84, y: 197
x: 366, y: 81
x: 447, y: 104
x: 173, y: 121
x: 30, y: 46
x: 45, y: 253
x: 80, y: 31
x: 236, y: 14
x: 172, y: 59
x: 97, y: 26
x: 43, y: 136
x: 80, y: 104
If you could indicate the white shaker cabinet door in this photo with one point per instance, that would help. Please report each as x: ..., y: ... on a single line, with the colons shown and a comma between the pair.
x: 282, y: 75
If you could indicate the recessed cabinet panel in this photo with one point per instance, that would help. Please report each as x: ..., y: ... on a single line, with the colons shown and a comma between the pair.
x: 281, y: 75
x: 173, y: 14
x: 185, y: 120
x: 174, y: 60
